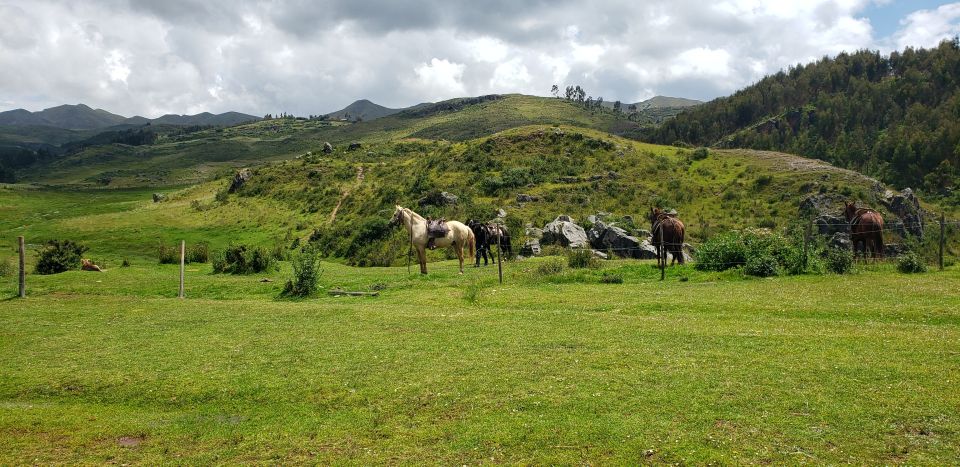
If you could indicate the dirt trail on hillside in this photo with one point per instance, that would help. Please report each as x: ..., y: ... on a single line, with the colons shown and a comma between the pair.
x: 346, y: 192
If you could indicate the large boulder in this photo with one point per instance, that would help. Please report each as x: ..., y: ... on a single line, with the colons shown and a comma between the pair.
x: 595, y: 233
x: 906, y: 206
x: 827, y: 224
x: 646, y: 250
x: 621, y: 243
x: 533, y: 232
x: 822, y: 204
x: 564, y: 232
x: 530, y: 248
x: 439, y: 198
x: 327, y: 147
x: 840, y: 241
x: 240, y: 179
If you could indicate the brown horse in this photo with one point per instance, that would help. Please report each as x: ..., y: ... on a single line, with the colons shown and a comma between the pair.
x: 666, y: 233
x: 866, y: 228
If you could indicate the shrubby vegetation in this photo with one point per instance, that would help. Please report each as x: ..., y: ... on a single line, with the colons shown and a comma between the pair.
x: 59, y: 256
x: 306, y: 274
x: 242, y: 259
x: 910, y: 262
x: 839, y: 261
x: 579, y: 258
x: 195, y: 253
x: 760, y: 252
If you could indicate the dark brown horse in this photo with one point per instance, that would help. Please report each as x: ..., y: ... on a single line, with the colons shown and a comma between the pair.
x: 866, y: 228
x: 666, y: 233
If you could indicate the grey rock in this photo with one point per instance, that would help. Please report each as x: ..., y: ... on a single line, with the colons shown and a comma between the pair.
x: 354, y: 146
x: 240, y: 179
x: 441, y: 198
x: 600, y: 254
x: 159, y: 197
x: 841, y: 241
x: 905, y: 206
x: 525, y: 198
x: 327, y: 147
x: 533, y: 232
x: 827, y: 224
x: 621, y: 243
x: 563, y: 218
x: 595, y: 234
x: 530, y: 248
x: 565, y: 233
x: 646, y: 250
x: 500, y: 213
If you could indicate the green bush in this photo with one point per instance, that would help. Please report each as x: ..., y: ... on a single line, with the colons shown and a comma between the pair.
x: 549, y: 268
x: 839, y: 261
x: 167, y: 254
x: 761, y: 265
x: 580, y: 258
x: 765, y: 252
x: 611, y: 278
x: 700, y: 154
x: 910, y: 262
x: 59, y: 256
x: 6, y: 267
x: 198, y: 253
x: 241, y: 259
x: 306, y: 274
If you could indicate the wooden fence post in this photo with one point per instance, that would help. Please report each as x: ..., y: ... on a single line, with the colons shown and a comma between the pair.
x: 662, y: 256
x: 943, y: 222
x: 23, y: 267
x: 183, y: 254
x: 499, y: 261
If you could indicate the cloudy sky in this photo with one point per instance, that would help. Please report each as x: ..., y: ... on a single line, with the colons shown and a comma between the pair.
x: 313, y: 56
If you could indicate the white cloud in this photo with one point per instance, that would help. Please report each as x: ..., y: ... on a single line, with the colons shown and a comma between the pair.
x: 926, y: 28
x: 442, y: 76
x: 151, y: 58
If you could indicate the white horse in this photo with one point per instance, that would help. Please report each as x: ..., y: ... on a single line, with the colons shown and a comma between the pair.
x: 459, y: 236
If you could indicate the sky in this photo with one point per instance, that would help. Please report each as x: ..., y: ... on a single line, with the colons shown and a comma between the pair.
x: 308, y: 57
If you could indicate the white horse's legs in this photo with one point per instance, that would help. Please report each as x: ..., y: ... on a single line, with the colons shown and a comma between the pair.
x: 422, y: 258
x: 459, y: 249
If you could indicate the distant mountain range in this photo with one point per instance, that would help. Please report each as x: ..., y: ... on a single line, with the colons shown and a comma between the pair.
x: 659, y: 102
x: 82, y: 117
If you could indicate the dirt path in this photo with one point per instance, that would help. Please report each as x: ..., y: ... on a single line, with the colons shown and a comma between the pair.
x: 346, y: 192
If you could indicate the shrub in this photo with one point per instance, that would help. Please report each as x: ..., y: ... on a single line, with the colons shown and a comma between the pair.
x: 611, y: 278
x: 167, y: 254
x: 198, y: 253
x: 222, y: 196
x: 59, y: 256
x: 582, y: 258
x: 839, y: 261
x: 125, y: 263
x: 910, y: 262
x: 761, y: 265
x: 241, y: 259
x: 767, y: 253
x: 306, y: 274
x: 700, y: 154
x: 6, y: 267
x: 549, y: 268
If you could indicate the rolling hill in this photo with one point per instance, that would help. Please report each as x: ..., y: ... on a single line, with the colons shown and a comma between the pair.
x: 82, y: 117
x: 893, y: 117
x: 362, y: 110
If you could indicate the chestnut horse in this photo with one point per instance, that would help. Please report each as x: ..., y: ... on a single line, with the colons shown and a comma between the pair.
x: 866, y: 227
x: 666, y: 232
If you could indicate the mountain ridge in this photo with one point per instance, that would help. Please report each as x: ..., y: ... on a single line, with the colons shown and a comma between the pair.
x: 83, y: 117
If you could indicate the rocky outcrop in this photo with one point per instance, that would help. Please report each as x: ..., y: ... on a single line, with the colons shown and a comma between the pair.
x: 827, y: 224
x: 240, y: 179
x: 530, y: 248
x: 906, y: 207
x: 439, y: 198
x: 564, y: 232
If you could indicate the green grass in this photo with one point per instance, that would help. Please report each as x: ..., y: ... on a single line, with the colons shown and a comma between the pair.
x: 822, y: 369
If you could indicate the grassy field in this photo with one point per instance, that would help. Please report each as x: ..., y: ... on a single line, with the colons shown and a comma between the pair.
x: 458, y: 369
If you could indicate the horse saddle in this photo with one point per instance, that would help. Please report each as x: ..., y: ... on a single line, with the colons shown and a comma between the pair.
x: 437, y: 228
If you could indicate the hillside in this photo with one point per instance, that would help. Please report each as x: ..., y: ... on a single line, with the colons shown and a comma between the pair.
x: 362, y: 110
x: 893, y: 117
x: 191, y: 157
x: 82, y: 117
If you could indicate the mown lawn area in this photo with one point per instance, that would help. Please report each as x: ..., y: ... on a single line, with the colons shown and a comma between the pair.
x: 110, y: 367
